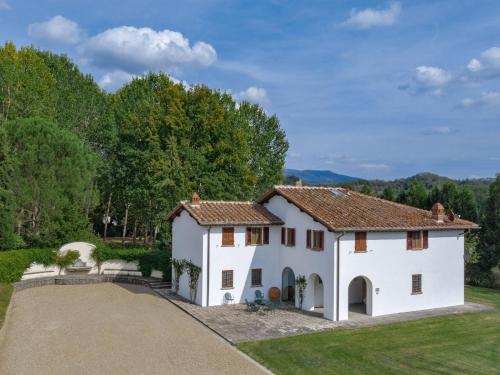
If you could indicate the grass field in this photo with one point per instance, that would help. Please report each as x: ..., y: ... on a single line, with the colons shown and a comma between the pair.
x: 5, y: 294
x: 465, y: 344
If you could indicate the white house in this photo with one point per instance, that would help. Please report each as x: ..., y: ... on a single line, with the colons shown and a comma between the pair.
x: 357, y: 252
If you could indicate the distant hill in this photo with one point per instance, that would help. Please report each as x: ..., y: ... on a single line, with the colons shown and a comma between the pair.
x: 315, y: 177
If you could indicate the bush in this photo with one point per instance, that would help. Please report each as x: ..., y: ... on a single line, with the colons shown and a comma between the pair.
x: 148, y: 260
x: 67, y: 259
x: 13, y: 263
x: 476, y: 277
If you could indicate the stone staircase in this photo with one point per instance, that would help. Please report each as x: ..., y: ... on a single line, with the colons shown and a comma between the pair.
x: 159, y: 284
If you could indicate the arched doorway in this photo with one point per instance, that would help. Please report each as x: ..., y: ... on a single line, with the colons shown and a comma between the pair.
x: 288, y: 285
x: 360, y: 296
x: 316, y: 287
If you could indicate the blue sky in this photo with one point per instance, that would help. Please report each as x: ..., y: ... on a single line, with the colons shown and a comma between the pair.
x: 374, y: 89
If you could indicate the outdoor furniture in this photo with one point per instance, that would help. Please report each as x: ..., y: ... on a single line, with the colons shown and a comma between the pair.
x: 252, y: 307
x: 271, y: 306
x: 228, y: 298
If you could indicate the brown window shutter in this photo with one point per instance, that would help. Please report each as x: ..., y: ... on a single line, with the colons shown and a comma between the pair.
x: 321, y: 240
x: 283, y: 234
x: 228, y: 236
x: 409, y: 243
x: 426, y: 239
x: 266, y: 235
x: 308, y: 239
x: 360, y: 241
x: 248, y: 236
x: 293, y: 237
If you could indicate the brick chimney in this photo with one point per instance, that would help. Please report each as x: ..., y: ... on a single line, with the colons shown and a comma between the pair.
x: 438, y: 212
x: 298, y: 183
x: 195, y: 198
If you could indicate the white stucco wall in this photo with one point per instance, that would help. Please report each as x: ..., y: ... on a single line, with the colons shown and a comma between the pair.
x: 389, y: 266
x: 109, y: 267
x: 188, y: 243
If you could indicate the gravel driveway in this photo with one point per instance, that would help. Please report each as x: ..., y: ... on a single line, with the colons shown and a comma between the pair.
x: 109, y: 329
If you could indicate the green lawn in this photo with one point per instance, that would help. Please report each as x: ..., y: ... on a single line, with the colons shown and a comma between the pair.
x: 465, y: 344
x: 5, y: 294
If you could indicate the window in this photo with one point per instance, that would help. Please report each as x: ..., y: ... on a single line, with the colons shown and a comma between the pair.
x: 417, y: 240
x: 228, y: 236
x: 315, y: 239
x: 288, y: 236
x: 257, y: 236
x: 360, y: 242
x: 227, y: 279
x: 416, y: 284
x: 257, y: 277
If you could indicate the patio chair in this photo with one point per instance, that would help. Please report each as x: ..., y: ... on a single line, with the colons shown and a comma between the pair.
x: 258, y: 296
x: 252, y: 307
x: 271, y: 306
x: 228, y: 298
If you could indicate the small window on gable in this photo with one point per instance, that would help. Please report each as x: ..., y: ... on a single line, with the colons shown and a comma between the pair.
x: 416, y: 284
x: 227, y: 279
x: 257, y: 277
x: 228, y: 236
x: 417, y: 240
x: 315, y: 239
x: 360, y: 242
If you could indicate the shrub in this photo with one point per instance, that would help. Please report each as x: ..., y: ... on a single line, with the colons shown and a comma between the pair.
x: 13, y: 263
x: 67, y: 259
x: 148, y: 260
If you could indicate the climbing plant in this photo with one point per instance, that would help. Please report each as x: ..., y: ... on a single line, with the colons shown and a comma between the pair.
x: 301, y: 284
x: 178, y: 265
x: 193, y: 272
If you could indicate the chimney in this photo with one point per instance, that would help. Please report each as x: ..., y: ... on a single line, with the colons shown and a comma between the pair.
x: 438, y: 212
x: 298, y: 183
x: 195, y: 198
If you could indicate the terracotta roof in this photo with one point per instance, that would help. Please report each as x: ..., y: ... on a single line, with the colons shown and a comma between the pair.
x: 340, y: 209
x: 227, y: 213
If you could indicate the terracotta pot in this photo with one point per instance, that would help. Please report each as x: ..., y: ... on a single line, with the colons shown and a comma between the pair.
x: 274, y: 294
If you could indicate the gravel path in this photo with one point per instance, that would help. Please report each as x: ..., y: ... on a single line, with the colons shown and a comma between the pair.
x: 109, y: 329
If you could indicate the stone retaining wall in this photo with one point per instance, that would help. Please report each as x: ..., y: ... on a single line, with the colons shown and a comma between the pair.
x: 78, y: 280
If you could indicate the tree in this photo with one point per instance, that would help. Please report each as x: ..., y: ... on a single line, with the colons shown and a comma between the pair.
x: 388, y: 194
x: 417, y: 196
x: 489, y: 248
x: 268, y: 147
x: 366, y: 189
x: 301, y: 285
x: 49, y: 174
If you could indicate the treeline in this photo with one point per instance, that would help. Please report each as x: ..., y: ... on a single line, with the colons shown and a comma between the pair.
x: 76, y: 161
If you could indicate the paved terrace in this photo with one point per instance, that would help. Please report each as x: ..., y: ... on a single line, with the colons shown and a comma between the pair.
x: 236, y: 324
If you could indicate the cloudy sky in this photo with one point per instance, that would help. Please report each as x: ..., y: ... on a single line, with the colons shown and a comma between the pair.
x: 374, y: 89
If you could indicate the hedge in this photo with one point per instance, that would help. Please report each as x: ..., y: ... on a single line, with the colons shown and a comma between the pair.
x: 148, y: 260
x: 13, y: 263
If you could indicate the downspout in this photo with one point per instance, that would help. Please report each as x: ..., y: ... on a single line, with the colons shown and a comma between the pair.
x: 338, y: 276
x: 208, y: 266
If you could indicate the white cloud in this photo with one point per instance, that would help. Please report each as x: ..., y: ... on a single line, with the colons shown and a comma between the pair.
x: 432, y: 77
x: 4, y: 5
x: 438, y: 130
x: 114, y: 80
x: 136, y: 50
x: 252, y: 94
x: 367, y: 18
x: 486, y: 99
x: 57, y: 30
x: 375, y: 166
x: 487, y: 65
x: 474, y: 65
